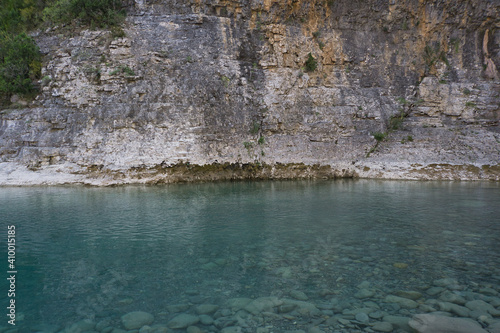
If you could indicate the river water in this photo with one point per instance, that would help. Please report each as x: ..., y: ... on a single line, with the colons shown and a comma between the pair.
x: 316, y: 251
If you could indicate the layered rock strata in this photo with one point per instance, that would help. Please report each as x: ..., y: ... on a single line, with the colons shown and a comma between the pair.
x: 229, y: 89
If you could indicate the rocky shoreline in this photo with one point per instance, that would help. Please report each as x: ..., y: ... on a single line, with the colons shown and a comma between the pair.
x: 12, y: 174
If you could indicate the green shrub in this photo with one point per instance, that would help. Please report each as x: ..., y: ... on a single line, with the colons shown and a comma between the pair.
x: 123, y: 69
x: 311, y: 63
x: 225, y: 80
x: 379, y: 136
x: 255, y: 128
x: 20, y: 15
x: 402, y: 101
x: 434, y: 54
x: 395, y: 122
x: 94, y: 13
x: 19, y: 64
x: 117, y: 32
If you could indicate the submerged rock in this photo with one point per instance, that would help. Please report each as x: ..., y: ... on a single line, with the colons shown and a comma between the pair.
x: 81, y: 326
x: 183, y: 320
x: 137, y: 319
x: 237, y: 304
x: 299, y: 295
x: 413, y: 295
x: 262, y: 304
x: 364, y: 293
x: 383, y: 327
x: 398, y: 322
x: 427, y: 323
x: 449, y: 283
x: 401, y: 301
x: 482, y: 306
x: 203, y: 309
x: 206, y: 320
x: 193, y: 329
x: 451, y: 297
x: 231, y: 329
x: 177, y: 308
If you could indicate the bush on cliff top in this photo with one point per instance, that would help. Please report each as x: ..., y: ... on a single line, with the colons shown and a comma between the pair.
x: 94, y: 13
x: 19, y: 64
x: 20, y: 15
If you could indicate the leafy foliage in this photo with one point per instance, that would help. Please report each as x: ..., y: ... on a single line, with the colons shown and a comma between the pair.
x: 311, y: 63
x: 379, y: 136
x: 433, y: 54
x: 20, y: 15
x: 94, y: 13
x: 19, y: 64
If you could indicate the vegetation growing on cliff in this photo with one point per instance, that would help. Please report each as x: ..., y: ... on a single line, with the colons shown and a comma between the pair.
x: 311, y: 63
x: 19, y: 64
x: 93, y: 13
x: 19, y: 56
x: 20, y: 59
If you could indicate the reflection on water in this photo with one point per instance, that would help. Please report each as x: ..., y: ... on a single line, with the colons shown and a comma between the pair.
x: 99, y: 253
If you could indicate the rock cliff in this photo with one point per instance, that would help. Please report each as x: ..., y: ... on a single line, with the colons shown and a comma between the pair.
x: 232, y: 89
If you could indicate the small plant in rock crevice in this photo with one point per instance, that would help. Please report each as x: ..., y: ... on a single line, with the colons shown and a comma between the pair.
x: 379, y: 136
x: 123, y: 69
x: 255, y: 128
x: 311, y: 63
x: 225, y: 80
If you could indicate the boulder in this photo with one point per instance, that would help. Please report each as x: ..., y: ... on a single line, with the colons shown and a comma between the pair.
x: 136, y: 319
x: 427, y: 323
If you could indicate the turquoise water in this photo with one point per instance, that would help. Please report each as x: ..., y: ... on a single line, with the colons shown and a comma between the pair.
x: 99, y: 253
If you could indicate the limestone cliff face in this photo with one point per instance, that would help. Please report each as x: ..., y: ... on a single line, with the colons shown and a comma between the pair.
x: 207, y: 89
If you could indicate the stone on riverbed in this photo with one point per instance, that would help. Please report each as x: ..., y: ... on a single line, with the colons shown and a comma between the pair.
x: 482, y: 306
x: 398, y: 322
x: 136, y: 319
x: 237, y: 304
x: 231, y: 329
x: 206, y: 308
x: 449, y: 283
x: 206, y: 320
x: 494, y: 328
x: 362, y: 317
x: 403, y: 302
x: 298, y: 295
x: 301, y: 306
x: 364, y: 293
x: 427, y: 323
x: 262, y: 304
x: 193, y: 329
x: 413, y: 295
x: 382, y: 327
x: 434, y: 290
x: 81, y: 326
x: 454, y: 308
x: 177, y: 308
x: 183, y: 320
x: 451, y: 297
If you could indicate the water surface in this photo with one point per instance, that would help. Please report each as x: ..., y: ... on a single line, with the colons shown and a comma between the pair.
x: 99, y: 253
